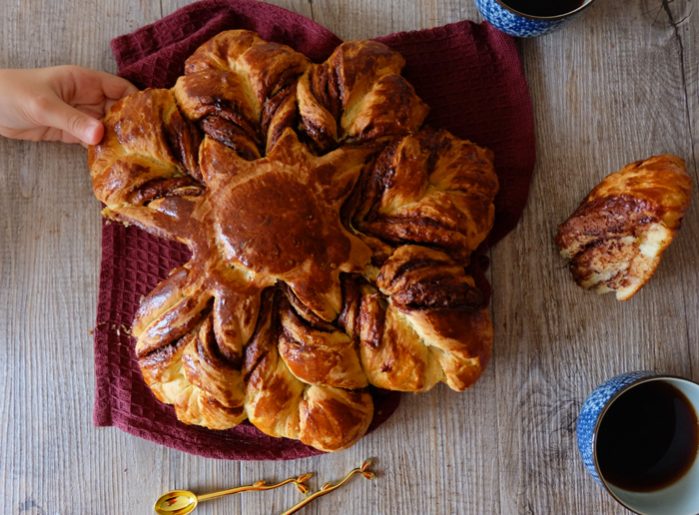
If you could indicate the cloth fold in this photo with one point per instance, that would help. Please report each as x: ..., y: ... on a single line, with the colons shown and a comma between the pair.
x: 469, y: 74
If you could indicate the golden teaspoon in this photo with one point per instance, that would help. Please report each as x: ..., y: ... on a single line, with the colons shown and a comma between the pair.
x: 180, y: 502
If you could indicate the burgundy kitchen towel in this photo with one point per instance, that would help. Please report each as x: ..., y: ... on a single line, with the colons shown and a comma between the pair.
x: 470, y: 75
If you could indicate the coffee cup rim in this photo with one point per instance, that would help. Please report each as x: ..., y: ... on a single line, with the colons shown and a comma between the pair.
x: 598, y: 423
x: 502, y: 4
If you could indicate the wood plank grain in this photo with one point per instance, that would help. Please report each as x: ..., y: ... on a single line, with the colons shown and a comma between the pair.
x: 357, y: 19
x: 685, y: 24
x: 607, y: 90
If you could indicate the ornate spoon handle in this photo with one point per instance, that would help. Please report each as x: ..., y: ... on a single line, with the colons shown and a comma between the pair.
x: 364, y: 470
x: 259, y: 486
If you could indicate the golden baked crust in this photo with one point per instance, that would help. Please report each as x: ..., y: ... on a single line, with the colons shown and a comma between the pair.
x: 329, y: 235
x: 615, y: 239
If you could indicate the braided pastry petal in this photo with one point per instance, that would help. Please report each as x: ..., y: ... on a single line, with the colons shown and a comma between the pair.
x: 432, y: 189
x: 242, y: 90
x: 424, y: 324
x: 357, y: 95
x: 326, y: 417
x: 146, y: 160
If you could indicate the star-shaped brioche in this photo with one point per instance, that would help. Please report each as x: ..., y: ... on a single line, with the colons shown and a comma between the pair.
x: 329, y: 234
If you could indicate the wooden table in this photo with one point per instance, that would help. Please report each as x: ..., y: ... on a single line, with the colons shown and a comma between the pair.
x: 617, y: 84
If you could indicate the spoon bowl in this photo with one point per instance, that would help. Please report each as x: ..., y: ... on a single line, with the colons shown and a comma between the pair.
x: 176, y: 502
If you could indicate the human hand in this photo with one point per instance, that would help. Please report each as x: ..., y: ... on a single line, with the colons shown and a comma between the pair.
x: 60, y: 103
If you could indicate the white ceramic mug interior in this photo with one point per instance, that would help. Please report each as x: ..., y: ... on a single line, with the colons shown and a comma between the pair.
x: 681, y: 497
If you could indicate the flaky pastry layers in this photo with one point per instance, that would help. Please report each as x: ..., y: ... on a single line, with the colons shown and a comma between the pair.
x: 329, y: 232
x: 615, y: 238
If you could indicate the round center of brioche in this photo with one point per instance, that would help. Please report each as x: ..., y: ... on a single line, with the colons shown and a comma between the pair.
x: 274, y: 223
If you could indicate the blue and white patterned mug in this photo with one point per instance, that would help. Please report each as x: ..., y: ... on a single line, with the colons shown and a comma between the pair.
x: 681, y: 497
x: 520, y: 24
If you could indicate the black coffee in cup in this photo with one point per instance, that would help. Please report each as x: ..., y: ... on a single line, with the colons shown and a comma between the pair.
x: 544, y: 7
x: 648, y: 438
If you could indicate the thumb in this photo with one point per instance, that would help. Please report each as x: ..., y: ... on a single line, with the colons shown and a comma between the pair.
x: 56, y: 113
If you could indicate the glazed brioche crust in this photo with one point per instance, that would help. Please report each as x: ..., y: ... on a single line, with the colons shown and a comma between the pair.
x: 615, y: 238
x: 329, y: 233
